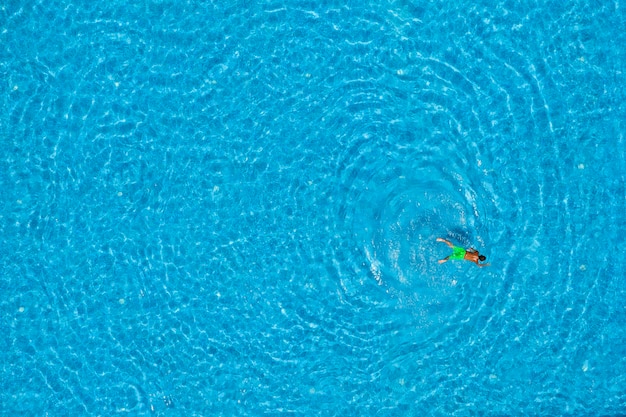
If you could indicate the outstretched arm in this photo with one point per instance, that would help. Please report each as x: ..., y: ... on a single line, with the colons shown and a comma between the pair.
x: 445, y: 241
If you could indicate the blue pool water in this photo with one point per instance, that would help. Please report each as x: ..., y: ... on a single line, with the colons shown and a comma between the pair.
x: 231, y: 208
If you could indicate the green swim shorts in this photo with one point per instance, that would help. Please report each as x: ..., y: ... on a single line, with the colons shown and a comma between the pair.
x: 457, y: 253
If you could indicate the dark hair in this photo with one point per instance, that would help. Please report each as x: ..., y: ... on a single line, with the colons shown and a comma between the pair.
x: 482, y: 257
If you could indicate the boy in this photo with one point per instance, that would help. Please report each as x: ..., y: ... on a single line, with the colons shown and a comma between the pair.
x: 458, y: 253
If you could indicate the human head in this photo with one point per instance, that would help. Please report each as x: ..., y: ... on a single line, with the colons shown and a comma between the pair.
x: 482, y: 257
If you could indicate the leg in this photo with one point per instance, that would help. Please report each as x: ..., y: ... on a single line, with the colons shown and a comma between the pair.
x: 445, y: 241
x: 443, y: 260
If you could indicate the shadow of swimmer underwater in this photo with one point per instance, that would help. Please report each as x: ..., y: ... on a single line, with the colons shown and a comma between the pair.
x: 458, y: 253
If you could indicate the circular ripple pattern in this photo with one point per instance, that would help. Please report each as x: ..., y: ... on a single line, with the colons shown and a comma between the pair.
x: 473, y: 139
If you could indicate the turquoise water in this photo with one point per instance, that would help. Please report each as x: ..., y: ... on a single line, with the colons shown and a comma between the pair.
x: 232, y: 209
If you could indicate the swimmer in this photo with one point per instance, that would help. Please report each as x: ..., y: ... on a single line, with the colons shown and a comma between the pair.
x: 459, y: 253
